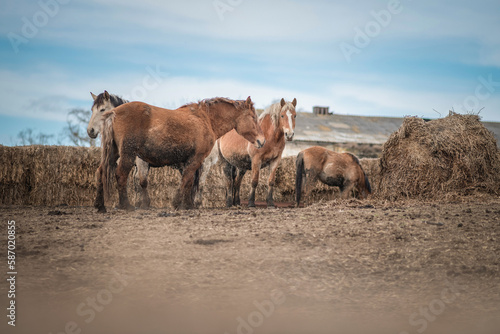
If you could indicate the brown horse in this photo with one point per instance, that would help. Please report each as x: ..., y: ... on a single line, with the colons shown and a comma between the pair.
x: 277, y: 123
x: 181, y: 138
x: 342, y: 170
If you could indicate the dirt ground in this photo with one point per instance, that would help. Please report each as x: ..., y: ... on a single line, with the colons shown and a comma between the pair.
x: 334, y: 267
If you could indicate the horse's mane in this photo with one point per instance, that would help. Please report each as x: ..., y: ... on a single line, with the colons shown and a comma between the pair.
x: 274, y: 112
x: 210, y: 102
x: 354, y: 158
x: 114, y: 99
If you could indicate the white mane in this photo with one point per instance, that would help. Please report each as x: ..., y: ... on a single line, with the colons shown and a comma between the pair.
x: 274, y: 112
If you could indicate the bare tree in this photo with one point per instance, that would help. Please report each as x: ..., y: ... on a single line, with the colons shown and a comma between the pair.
x: 76, y: 127
x: 29, y: 137
x: 75, y: 131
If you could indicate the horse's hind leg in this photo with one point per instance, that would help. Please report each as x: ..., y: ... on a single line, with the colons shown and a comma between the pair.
x: 122, y: 171
x: 142, y: 174
x: 99, y: 200
x: 237, y: 186
x: 184, y: 198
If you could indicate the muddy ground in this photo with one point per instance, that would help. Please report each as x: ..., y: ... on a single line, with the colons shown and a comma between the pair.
x: 334, y: 267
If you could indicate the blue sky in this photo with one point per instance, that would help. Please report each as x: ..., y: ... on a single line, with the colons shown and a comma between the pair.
x: 373, y: 58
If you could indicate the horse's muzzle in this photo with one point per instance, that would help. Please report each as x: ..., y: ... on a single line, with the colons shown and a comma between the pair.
x: 289, y: 136
x: 92, y: 133
x: 259, y: 144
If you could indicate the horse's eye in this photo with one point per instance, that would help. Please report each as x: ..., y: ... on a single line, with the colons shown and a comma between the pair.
x: 102, y: 110
x: 282, y: 116
x: 295, y: 116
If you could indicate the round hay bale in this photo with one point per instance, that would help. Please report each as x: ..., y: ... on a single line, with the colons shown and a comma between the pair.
x: 455, y: 154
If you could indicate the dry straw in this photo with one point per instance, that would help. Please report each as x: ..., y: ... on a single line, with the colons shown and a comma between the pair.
x: 429, y: 160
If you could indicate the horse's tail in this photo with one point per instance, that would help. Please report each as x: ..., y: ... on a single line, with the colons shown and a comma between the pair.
x: 109, y: 153
x: 299, y: 163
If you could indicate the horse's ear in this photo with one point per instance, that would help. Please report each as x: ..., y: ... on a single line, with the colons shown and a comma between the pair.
x: 93, y: 96
x: 294, y: 102
x: 249, y: 101
x: 106, y: 95
x: 282, y: 102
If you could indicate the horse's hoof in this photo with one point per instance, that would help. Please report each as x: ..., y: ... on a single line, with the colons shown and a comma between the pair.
x: 101, y: 209
x: 142, y: 205
x: 183, y: 206
x: 251, y: 205
x: 128, y: 207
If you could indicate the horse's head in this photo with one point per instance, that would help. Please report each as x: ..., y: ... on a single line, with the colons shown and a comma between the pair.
x: 287, y: 118
x: 102, y: 103
x: 247, y: 125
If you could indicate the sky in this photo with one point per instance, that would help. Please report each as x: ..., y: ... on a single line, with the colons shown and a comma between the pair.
x: 370, y: 58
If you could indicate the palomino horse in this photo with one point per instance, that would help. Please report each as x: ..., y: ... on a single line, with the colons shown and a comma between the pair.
x: 334, y: 169
x: 277, y: 123
x: 180, y: 138
x: 105, y: 102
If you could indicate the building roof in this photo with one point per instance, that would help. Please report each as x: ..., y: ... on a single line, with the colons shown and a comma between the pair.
x: 344, y: 129
x: 335, y: 128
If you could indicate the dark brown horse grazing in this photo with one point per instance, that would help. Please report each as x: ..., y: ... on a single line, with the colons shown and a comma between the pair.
x: 334, y: 169
x: 181, y: 138
x: 277, y: 123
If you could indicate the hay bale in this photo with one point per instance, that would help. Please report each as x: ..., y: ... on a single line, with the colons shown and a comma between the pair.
x: 455, y: 154
x: 65, y: 175
x: 47, y: 175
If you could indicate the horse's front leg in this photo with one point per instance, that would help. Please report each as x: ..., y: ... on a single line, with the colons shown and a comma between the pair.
x: 310, y: 180
x: 142, y: 174
x: 229, y: 172
x: 122, y: 171
x: 99, y: 200
x: 270, y: 182
x: 256, y: 163
x: 346, y: 189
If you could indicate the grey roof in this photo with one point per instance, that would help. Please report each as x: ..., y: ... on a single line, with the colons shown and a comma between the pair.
x: 354, y: 129
x: 495, y: 128
x: 344, y: 129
